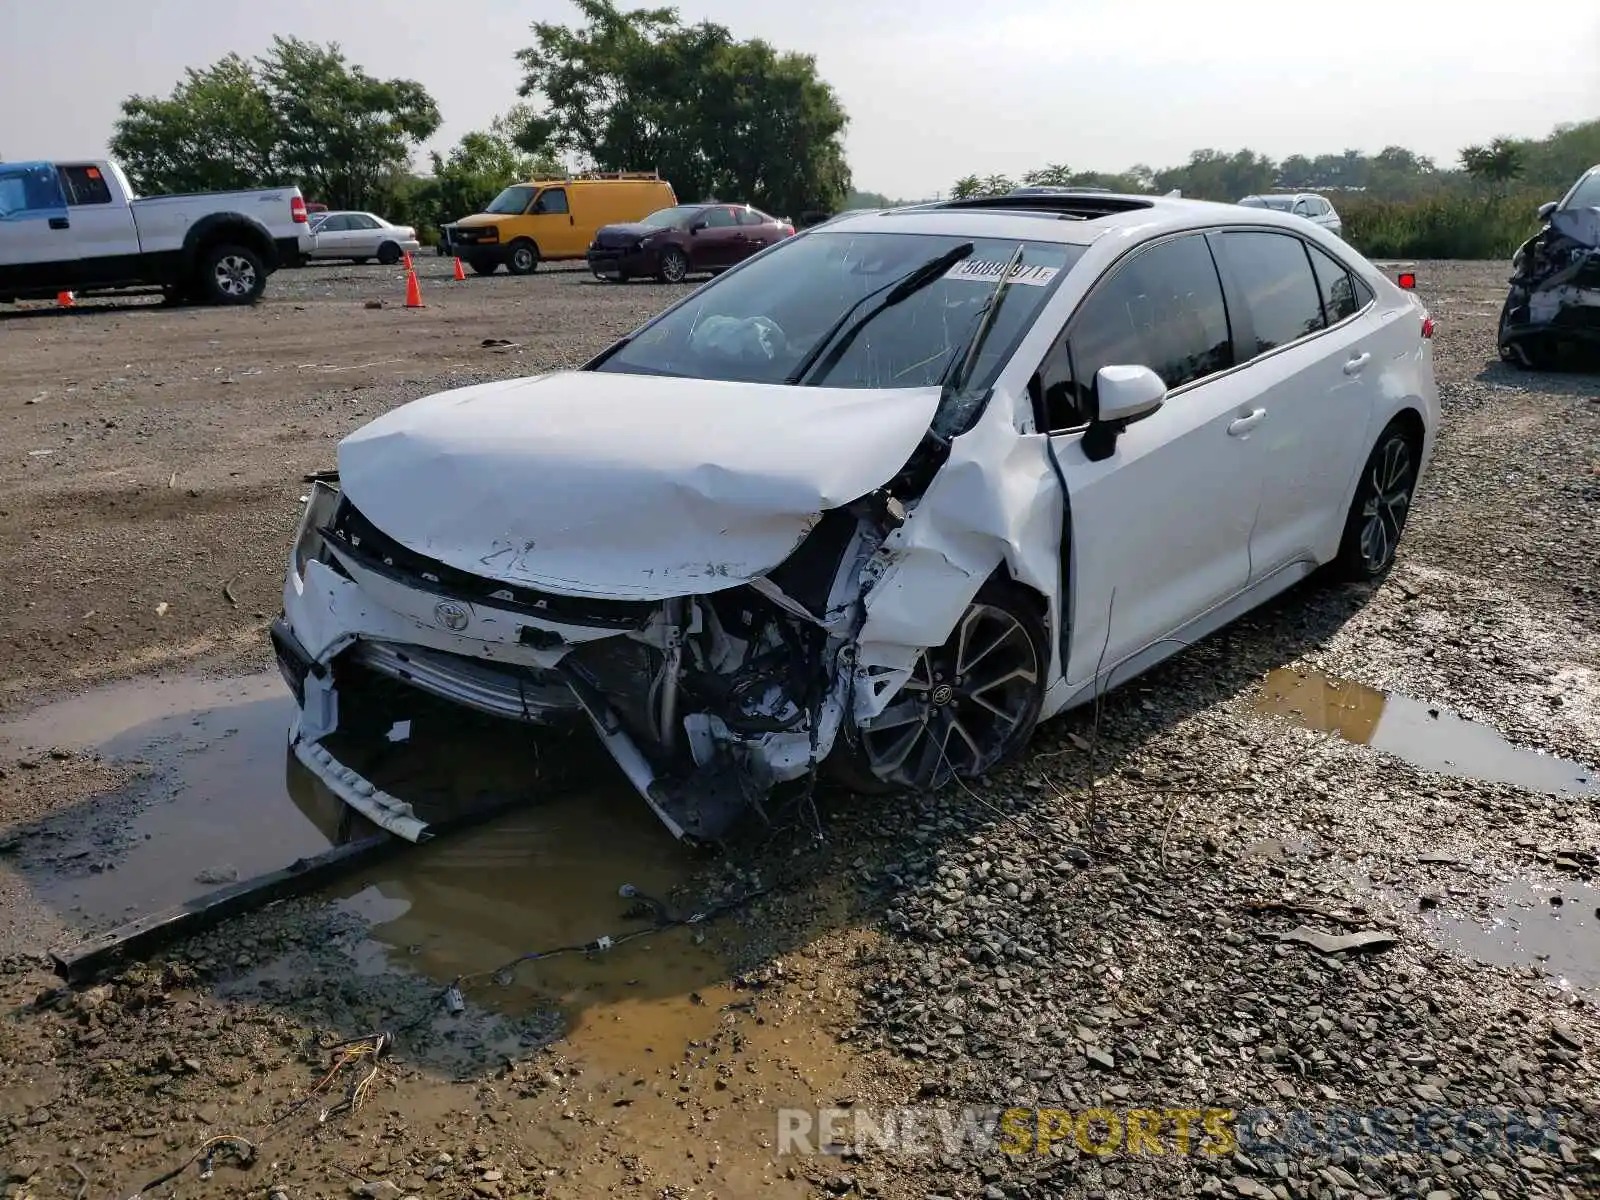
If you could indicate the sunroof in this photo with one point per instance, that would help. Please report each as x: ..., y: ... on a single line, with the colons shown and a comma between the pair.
x: 1080, y: 205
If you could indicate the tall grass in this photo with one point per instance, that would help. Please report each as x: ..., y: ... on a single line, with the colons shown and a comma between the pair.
x: 1440, y: 226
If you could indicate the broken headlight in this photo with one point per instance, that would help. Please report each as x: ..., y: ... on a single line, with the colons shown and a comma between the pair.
x: 308, y: 542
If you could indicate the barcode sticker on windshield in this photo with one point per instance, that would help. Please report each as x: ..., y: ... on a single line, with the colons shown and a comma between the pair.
x: 989, y: 272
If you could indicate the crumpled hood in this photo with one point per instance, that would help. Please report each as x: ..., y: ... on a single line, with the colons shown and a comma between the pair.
x: 645, y: 487
x: 627, y: 232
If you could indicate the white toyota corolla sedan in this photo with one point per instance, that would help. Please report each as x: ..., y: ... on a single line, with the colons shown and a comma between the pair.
x: 879, y: 499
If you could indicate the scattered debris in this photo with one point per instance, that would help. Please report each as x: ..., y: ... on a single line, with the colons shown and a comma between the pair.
x: 1329, y: 943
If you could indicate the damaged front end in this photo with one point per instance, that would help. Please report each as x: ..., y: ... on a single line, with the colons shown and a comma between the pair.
x: 1555, y: 290
x: 707, y: 699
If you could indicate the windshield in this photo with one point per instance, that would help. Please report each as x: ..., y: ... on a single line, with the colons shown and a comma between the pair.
x: 512, y: 200
x: 667, y: 217
x: 1281, y: 203
x: 761, y: 322
x: 1586, y: 193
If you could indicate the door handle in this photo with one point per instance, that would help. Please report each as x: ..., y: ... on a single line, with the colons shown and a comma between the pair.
x: 1246, y: 423
x: 1353, y: 367
x: 60, y: 223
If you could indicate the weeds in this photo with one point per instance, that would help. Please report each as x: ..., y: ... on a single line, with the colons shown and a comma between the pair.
x: 1482, y: 227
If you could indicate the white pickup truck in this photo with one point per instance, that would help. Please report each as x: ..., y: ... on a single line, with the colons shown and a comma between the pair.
x: 77, y: 227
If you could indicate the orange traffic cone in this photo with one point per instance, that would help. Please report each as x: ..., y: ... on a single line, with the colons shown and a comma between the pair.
x: 413, y: 292
x: 460, y: 274
x: 66, y: 300
x: 408, y: 260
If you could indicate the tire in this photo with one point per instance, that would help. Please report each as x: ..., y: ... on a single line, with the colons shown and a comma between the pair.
x: 673, y: 266
x: 231, y: 274
x: 524, y: 257
x: 1004, y: 623
x: 1379, y: 509
x: 483, y: 266
x: 388, y: 254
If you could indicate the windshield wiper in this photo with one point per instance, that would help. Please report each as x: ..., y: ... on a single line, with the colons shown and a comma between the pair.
x: 898, y: 289
x: 963, y: 363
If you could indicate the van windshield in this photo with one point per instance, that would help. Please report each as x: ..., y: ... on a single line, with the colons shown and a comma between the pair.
x: 512, y: 200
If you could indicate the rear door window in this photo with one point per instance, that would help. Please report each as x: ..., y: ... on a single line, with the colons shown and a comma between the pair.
x: 719, y: 218
x: 1277, y: 286
x: 85, y: 185
x: 1337, y: 285
x: 1163, y: 309
x: 752, y: 216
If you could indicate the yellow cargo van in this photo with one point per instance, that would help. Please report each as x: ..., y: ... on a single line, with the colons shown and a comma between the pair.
x: 553, y: 219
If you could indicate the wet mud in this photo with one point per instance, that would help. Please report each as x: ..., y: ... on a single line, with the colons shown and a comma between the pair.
x: 675, y: 1058
x: 1427, y: 736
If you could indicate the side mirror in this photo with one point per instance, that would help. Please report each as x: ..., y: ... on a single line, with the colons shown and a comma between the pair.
x: 1127, y: 394
x: 1124, y: 394
x: 1546, y: 209
x: 697, y: 227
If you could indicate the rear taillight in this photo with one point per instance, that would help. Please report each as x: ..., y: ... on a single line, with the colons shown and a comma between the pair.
x: 1427, y: 326
x: 297, y: 209
x: 788, y: 231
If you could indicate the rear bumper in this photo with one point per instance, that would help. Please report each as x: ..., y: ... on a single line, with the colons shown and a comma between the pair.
x: 292, y: 252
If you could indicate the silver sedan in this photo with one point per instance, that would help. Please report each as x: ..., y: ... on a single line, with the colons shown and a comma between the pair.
x: 360, y: 236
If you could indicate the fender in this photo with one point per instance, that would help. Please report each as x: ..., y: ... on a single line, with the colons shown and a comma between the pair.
x: 229, y: 226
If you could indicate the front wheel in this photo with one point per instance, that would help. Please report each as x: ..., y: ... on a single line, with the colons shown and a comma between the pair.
x: 674, y: 265
x: 969, y: 705
x: 523, y: 259
x: 1379, y: 509
x: 232, y: 275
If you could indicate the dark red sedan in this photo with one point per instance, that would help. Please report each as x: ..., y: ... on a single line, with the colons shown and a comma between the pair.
x: 675, y: 242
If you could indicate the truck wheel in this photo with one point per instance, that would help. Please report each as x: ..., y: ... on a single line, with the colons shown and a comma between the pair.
x: 232, y: 275
x: 388, y: 254
x: 524, y: 257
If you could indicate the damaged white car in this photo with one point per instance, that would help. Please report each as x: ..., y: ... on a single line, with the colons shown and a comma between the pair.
x: 879, y: 499
x: 1555, y: 281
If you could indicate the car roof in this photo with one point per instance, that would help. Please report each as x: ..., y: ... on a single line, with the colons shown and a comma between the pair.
x: 1073, y: 218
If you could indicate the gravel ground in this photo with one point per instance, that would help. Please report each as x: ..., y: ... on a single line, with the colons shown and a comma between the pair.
x: 1101, y: 927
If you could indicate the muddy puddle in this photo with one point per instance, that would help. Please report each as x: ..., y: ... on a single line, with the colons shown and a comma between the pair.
x: 1552, y: 927
x: 670, y: 1060
x: 210, y: 804
x: 1426, y: 736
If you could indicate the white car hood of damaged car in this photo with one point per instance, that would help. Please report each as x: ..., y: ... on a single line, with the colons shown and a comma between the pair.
x: 643, y: 487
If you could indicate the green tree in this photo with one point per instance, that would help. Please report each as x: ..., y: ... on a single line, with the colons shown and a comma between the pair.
x: 300, y: 113
x: 1054, y: 175
x: 215, y: 133
x: 735, y: 120
x: 341, y: 131
x: 966, y: 188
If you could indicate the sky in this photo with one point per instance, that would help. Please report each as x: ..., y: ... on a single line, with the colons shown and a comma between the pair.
x: 935, y: 89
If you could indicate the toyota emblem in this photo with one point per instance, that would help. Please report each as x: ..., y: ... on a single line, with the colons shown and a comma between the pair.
x: 450, y: 615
